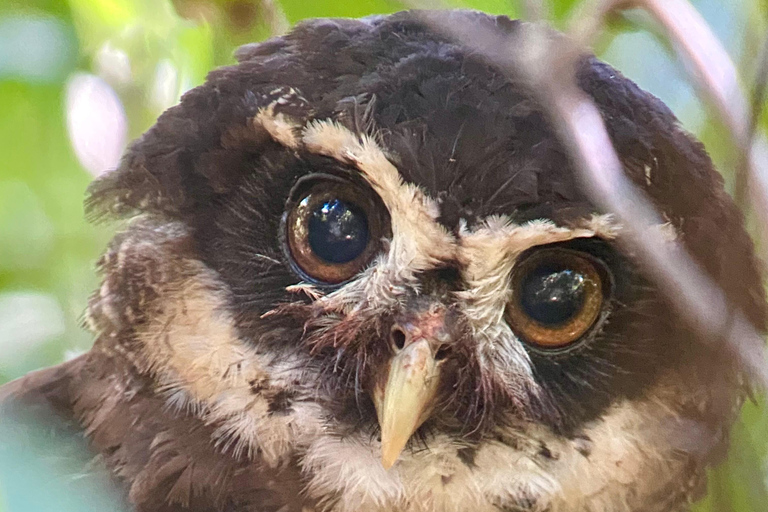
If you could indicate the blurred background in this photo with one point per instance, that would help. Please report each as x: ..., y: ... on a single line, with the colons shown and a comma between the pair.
x: 79, y: 79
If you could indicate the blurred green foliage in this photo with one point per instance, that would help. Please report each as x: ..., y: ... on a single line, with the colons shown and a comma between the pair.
x: 138, y: 57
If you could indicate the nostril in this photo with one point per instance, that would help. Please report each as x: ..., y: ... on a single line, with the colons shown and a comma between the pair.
x: 398, y: 338
x: 441, y: 353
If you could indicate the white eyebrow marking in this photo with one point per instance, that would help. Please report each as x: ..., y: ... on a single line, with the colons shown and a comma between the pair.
x: 418, y: 243
x: 412, y: 211
x: 283, y: 129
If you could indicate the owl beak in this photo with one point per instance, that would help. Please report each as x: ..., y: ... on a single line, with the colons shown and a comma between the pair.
x: 406, y: 400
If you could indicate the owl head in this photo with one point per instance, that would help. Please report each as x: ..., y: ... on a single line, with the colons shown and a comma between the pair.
x: 363, y: 252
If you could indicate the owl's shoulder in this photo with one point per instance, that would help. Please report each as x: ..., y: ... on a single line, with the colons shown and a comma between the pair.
x: 43, y: 394
x: 162, y: 459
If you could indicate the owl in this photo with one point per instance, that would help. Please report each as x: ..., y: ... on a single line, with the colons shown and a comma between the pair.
x: 357, y: 271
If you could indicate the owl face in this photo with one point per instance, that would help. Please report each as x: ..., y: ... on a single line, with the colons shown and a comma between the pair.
x: 364, y: 250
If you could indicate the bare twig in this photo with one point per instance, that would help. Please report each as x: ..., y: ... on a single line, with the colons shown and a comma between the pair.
x: 547, y: 64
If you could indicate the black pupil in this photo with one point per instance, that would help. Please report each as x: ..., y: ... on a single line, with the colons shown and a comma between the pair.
x: 338, y: 231
x: 553, y: 295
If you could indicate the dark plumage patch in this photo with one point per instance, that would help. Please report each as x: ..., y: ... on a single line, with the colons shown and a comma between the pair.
x: 546, y: 453
x: 583, y: 444
x: 507, y: 440
x: 258, y: 386
x: 466, y: 455
x: 281, y: 401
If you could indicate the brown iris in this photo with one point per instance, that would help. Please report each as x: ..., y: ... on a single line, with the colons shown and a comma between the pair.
x: 557, y: 296
x: 333, y: 229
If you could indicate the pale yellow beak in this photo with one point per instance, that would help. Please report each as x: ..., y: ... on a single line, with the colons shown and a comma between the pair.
x: 406, y: 400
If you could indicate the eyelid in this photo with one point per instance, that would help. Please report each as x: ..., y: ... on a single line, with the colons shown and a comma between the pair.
x: 305, y: 183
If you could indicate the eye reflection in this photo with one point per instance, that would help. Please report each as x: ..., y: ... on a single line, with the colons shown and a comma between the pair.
x: 338, y: 231
x: 551, y: 296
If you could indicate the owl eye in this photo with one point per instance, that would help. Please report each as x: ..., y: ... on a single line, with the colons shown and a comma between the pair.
x: 332, y: 231
x: 337, y: 230
x: 557, y: 296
